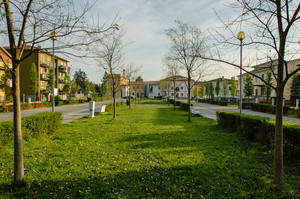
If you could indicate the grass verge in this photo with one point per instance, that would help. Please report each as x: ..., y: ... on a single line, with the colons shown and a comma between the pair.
x: 149, y: 152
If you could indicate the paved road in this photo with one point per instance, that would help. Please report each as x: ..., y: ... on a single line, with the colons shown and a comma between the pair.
x: 70, y: 112
x: 209, y: 110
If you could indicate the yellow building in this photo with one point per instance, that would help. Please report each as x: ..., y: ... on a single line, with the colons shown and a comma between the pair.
x: 261, y: 70
x: 120, y: 82
x: 5, y: 60
x: 43, y: 61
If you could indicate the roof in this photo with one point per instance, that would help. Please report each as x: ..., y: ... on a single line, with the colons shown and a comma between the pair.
x: 37, y: 49
x: 7, y: 53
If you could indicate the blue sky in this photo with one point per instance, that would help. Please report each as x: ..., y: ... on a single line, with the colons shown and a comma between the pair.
x: 145, y: 22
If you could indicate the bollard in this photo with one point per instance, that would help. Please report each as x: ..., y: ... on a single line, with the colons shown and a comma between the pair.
x: 92, y: 108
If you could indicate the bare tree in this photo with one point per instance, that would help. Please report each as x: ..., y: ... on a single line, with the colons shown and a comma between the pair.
x: 165, y: 87
x: 29, y: 23
x: 172, y: 69
x: 271, y: 25
x: 186, y: 43
x: 110, y: 57
x: 132, y: 72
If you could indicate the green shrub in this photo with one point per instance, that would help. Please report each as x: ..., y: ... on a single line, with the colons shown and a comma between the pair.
x: 177, y: 102
x: 268, y: 108
x: 262, y: 129
x: 6, y: 132
x: 184, y: 106
x: 110, y: 105
x: 32, y: 126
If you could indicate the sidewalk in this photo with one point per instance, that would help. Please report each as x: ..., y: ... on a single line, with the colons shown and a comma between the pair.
x: 209, y: 111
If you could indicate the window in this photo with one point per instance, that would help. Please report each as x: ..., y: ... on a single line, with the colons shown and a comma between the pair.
x: 159, y: 88
x: 172, y: 87
x: 42, y: 58
x: 181, y: 94
x: 181, y: 87
x: 262, y: 91
x: 43, y: 85
x: 256, y: 79
x: 158, y: 94
x: 256, y: 92
x: 172, y: 94
x: 263, y: 76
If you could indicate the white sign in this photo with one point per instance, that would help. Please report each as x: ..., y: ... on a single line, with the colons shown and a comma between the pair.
x: 55, y: 91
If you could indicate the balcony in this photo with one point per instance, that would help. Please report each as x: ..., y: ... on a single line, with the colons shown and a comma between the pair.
x: 43, y: 91
x: 45, y: 65
x: 44, y: 77
x: 63, y: 69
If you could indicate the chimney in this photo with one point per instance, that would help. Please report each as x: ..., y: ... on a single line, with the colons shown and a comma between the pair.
x: 124, y: 73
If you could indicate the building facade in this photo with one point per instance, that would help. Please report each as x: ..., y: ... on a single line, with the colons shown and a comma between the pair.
x: 261, y: 71
x: 181, y: 87
x: 120, y: 84
x: 44, y: 62
x: 5, y: 61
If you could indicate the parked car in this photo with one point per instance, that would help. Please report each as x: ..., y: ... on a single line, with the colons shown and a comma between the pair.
x: 127, y: 97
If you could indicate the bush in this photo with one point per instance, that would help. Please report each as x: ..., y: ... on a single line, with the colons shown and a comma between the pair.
x: 110, y: 105
x: 268, y: 108
x: 32, y: 126
x: 211, y: 101
x: 71, y: 101
x: 184, y: 106
x: 177, y: 102
x: 262, y: 129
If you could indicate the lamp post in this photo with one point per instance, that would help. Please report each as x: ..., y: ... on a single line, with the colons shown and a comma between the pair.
x: 53, y: 37
x: 241, y: 35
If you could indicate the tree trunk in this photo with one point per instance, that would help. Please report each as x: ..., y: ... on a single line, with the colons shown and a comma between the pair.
x: 278, y: 151
x: 189, y: 96
x: 18, y: 147
x: 174, y: 94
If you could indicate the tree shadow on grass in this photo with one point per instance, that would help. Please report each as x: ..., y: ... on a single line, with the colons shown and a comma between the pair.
x: 192, y: 181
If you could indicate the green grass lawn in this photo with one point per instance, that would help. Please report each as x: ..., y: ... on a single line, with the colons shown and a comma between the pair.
x: 148, y: 152
x: 151, y: 101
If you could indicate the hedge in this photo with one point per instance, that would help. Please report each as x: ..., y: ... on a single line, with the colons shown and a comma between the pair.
x: 32, y: 126
x: 211, y: 101
x: 266, y: 108
x: 262, y: 129
x: 110, y: 105
x: 177, y: 102
x: 26, y: 106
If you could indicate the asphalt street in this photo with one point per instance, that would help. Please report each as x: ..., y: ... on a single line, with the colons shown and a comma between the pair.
x: 73, y: 112
x: 70, y: 112
x: 209, y: 111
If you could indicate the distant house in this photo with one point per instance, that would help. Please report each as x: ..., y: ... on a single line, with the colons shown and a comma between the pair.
x: 5, y: 61
x: 221, y: 94
x: 181, y: 87
x: 152, y: 89
x: 120, y: 82
x: 261, y: 70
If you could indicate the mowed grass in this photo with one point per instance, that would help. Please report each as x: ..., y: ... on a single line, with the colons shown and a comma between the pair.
x: 148, y: 152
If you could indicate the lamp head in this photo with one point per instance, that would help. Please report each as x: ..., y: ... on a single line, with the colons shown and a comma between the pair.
x: 53, y: 35
x: 241, y: 35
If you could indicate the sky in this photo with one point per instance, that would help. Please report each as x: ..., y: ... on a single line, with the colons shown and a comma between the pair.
x: 145, y: 22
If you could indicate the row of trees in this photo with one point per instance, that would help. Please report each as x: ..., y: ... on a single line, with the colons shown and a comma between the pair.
x: 209, y: 90
x: 270, y: 24
x: 28, y: 24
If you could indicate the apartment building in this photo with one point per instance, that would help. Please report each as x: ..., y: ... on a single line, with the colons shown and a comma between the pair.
x: 261, y: 71
x: 5, y: 61
x: 44, y: 62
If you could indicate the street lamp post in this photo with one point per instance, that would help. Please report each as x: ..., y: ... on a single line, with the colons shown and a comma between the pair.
x: 53, y: 37
x: 241, y: 35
